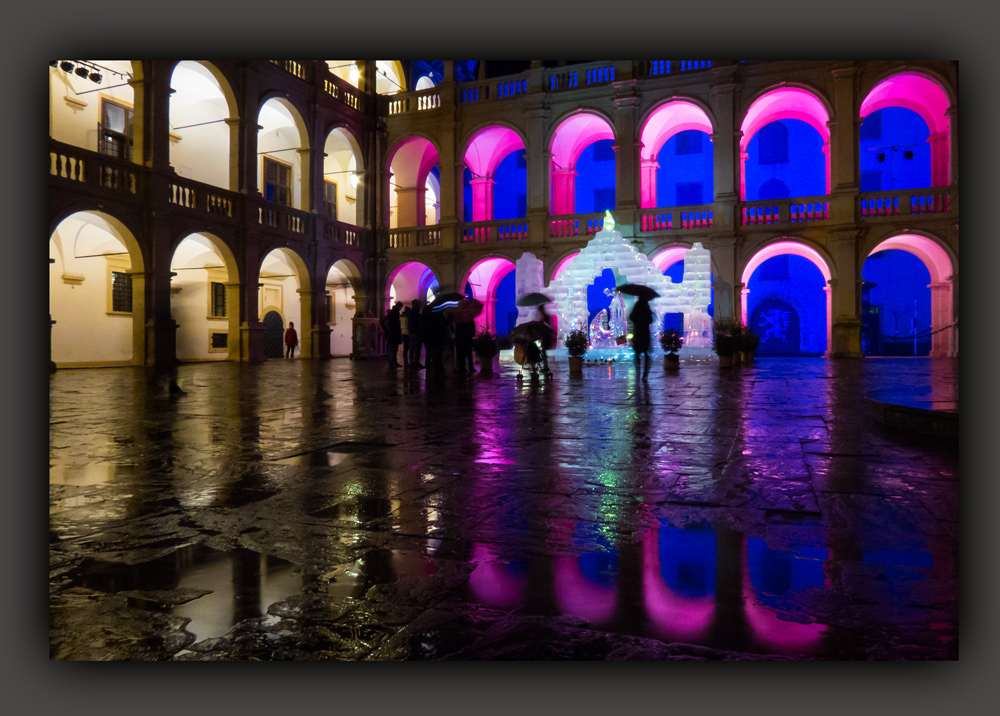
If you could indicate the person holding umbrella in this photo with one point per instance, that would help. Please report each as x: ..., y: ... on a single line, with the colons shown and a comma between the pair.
x: 547, y: 337
x: 641, y: 317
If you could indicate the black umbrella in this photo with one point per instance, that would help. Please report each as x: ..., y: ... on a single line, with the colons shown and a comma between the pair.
x: 533, y: 299
x: 638, y: 290
x: 532, y: 331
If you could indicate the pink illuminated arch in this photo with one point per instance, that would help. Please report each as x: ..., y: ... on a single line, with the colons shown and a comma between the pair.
x: 926, y: 97
x: 668, y: 119
x: 484, y: 277
x: 570, y: 138
x: 780, y: 248
x: 784, y: 103
x: 941, y: 269
x: 563, y: 265
x: 487, y: 148
x: 668, y: 257
x: 409, y: 163
x: 410, y: 280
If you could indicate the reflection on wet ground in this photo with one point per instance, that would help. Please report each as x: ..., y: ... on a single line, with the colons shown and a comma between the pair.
x: 302, y: 511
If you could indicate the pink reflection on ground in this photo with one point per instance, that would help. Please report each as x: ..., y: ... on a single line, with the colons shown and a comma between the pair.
x: 579, y: 596
x: 676, y: 615
x: 493, y: 584
x: 768, y: 628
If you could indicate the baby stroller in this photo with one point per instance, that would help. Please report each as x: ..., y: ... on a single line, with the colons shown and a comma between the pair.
x: 528, y: 355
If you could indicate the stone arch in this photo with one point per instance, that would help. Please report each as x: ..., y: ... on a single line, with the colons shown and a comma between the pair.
x: 343, y: 164
x: 275, y: 280
x: 490, y: 271
x: 570, y: 135
x: 482, y: 153
x: 345, y: 289
x: 930, y: 98
x: 786, y: 101
x: 86, y: 329
x: 408, y: 164
x: 662, y: 122
x: 793, y: 247
x: 941, y: 267
x: 203, y: 146
x: 409, y: 280
x: 195, y: 267
x: 284, y: 138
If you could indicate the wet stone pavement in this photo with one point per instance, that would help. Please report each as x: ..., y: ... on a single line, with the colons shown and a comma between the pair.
x: 302, y: 510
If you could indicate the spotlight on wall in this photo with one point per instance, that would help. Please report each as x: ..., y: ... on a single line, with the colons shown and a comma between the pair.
x: 355, y: 177
x: 908, y: 154
x: 83, y: 72
x: 53, y: 63
x: 66, y: 66
x: 95, y: 77
x: 881, y: 157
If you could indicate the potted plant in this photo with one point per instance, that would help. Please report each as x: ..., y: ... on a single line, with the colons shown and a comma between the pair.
x: 484, y: 345
x: 725, y: 340
x: 576, y: 343
x: 671, y: 342
x: 749, y: 341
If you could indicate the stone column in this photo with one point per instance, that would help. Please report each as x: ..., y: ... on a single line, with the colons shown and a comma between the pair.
x: 563, y: 191
x: 726, y: 280
x: 482, y: 198
x: 626, y: 148
x: 647, y: 182
x: 841, y: 150
x: 537, y: 158
x: 725, y: 149
x: 306, y: 168
x: 941, y: 316
x: 844, y: 319
x: 409, y: 206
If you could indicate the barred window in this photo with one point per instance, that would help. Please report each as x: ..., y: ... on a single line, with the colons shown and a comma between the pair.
x: 220, y: 340
x: 121, y: 292
x: 218, y: 300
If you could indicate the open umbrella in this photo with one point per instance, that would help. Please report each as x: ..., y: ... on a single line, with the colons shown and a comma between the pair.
x: 465, y: 310
x: 532, y: 331
x: 638, y: 290
x: 533, y: 299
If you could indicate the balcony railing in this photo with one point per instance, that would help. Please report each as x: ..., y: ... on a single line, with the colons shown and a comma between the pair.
x: 203, y: 198
x: 494, y: 231
x: 572, y: 225
x: 415, y: 101
x: 680, y: 217
x: 873, y: 205
x: 657, y: 68
x: 343, y: 92
x: 414, y: 237
x: 778, y: 211
x: 338, y: 232
x: 576, y: 76
x: 281, y: 217
x: 92, y: 169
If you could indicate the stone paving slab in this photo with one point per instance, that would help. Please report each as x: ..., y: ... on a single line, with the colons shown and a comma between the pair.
x: 338, y: 510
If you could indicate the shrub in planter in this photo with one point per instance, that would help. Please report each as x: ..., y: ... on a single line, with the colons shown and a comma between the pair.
x: 726, y: 339
x: 749, y: 341
x: 484, y: 345
x: 671, y: 342
x: 576, y: 344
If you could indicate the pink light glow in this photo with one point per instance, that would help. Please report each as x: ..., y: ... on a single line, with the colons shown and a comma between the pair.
x: 562, y: 266
x: 928, y: 99
x: 493, y: 584
x: 411, y: 160
x: 484, y: 278
x: 784, y: 103
x: 670, y: 119
x: 407, y: 280
x: 667, y: 258
x: 576, y: 134
x: 579, y: 596
x: 912, y: 91
x: 795, y: 249
x: 678, y: 616
x: 935, y: 258
x: 489, y: 147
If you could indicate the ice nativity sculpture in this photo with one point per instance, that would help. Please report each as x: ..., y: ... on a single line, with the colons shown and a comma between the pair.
x: 608, y: 249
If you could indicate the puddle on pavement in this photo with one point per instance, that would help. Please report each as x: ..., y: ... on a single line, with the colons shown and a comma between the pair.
x: 709, y: 586
x: 98, y: 473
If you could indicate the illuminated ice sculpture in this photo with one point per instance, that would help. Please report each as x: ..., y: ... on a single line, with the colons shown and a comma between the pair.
x: 608, y: 249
